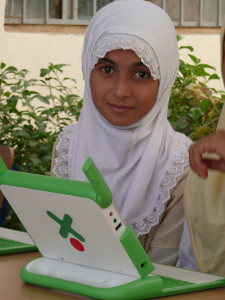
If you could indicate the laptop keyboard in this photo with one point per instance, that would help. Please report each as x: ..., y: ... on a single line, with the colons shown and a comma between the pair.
x: 171, y: 282
x: 5, y: 243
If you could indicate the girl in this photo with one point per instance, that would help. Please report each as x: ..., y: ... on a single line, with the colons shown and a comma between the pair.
x: 129, y: 62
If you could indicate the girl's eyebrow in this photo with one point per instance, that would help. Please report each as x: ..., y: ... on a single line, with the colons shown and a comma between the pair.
x: 139, y: 64
x: 107, y: 60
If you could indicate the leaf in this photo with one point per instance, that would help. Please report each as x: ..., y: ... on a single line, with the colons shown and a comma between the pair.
x: 14, y: 98
x: 179, y: 37
x: 219, y: 105
x: 11, y: 69
x: 15, y: 88
x: 44, y: 72
x: 42, y: 99
x: 26, y: 84
x: 41, y: 126
x: 2, y: 66
x: 29, y: 93
x: 22, y: 73
x: 22, y: 133
x: 205, y: 104
x: 194, y: 59
x: 60, y: 66
x: 214, y: 76
x: 199, y: 70
x: 47, y: 112
x: 187, y: 47
x: 206, y: 66
x: 51, y: 66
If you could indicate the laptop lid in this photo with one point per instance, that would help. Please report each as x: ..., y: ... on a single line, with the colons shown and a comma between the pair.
x: 74, y: 221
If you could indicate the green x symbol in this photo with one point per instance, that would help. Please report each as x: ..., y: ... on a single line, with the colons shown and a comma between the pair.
x: 65, y: 226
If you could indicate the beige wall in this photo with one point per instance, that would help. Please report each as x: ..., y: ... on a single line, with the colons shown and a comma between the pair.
x: 35, y: 50
x: 207, y: 48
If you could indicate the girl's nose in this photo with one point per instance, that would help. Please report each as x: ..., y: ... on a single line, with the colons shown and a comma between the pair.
x: 122, y: 88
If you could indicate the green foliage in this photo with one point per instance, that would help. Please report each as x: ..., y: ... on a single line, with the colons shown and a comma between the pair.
x: 194, y: 107
x: 32, y: 113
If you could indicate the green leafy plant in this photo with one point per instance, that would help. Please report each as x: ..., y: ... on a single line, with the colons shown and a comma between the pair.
x: 32, y: 113
x: 194, y: 107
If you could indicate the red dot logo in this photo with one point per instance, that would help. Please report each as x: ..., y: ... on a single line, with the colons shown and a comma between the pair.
x: 76, y: 244
x: 65, y: 229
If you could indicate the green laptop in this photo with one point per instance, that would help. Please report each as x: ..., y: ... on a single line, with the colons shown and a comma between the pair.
x: 86, y: 247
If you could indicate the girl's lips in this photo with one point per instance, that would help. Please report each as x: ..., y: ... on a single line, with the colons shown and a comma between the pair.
x: 120, y: 108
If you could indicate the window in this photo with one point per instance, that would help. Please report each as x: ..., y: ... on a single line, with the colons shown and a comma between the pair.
x: 66, y: 12
x: 194, y: 13
x: 184, y: 13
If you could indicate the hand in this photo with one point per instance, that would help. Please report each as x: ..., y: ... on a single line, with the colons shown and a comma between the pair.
x: 214, y: 143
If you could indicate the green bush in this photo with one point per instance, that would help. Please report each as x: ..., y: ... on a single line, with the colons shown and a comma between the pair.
x: 194, y: 107
x: 33, y: 111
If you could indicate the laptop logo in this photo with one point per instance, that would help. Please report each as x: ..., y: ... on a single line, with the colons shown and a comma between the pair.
x: 65, y: 229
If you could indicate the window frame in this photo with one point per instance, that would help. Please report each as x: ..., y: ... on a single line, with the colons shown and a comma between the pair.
x: 75, y: 20
x: 46, y: 20
x: 201, y: 23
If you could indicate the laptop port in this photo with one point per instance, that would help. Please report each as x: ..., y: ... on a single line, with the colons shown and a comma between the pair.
x: 118, y: 226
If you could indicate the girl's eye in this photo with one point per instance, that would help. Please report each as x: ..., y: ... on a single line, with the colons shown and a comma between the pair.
x: 141, y: 74
x: 107, y: 69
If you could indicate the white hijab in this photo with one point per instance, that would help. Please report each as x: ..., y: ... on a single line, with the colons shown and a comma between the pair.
x: 140, y: 163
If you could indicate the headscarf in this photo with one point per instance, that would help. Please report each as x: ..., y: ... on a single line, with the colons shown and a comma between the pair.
x: 140, y: 162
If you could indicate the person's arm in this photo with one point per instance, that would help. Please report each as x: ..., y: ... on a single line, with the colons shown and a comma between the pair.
x: 214, y: 143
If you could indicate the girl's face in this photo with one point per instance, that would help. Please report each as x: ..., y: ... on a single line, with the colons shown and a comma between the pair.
x: 122, y: 87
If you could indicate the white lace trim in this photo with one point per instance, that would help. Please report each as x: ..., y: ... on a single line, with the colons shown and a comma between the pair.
x: 143, y: 224
x: 63, y: 147
x: 109, y: 42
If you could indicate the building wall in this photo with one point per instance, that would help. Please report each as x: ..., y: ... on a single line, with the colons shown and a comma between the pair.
x: 207, y: 48
x: 35, y: 47
x: 33, y: 51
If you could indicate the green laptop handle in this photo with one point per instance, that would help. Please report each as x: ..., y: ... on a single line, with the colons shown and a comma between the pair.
x: 136, y: 252
x: 104, y: 194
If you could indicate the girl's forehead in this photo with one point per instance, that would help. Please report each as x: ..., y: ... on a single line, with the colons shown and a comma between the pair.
x: 122, y: 58
x: 120, y: 53
x: 109, y: 42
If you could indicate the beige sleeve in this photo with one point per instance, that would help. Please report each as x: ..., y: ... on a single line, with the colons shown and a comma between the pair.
x: 54, y: 156
x: 162, y: 242
x: 205, y: 213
